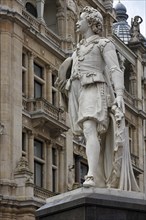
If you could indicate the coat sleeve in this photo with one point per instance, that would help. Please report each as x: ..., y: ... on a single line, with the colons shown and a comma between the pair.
x: 116, y: 75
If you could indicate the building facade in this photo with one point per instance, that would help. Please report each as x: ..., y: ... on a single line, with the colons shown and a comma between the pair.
x: 39, y: 157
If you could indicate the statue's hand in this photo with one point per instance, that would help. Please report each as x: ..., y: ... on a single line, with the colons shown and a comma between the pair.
x: 60, y: 85
x: 120, y: 103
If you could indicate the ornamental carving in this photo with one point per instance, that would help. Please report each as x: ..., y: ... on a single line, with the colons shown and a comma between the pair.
x: 80, y: 150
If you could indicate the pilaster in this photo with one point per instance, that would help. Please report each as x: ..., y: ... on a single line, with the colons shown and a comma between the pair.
x: 49, y: 167
x: 6, y: 89
x: 31, y: 151
x: 49, y: 70
x: 62, y: 170
x: 31, y: 76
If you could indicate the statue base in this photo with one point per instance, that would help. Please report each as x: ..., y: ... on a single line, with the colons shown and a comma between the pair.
x: 94, y: 204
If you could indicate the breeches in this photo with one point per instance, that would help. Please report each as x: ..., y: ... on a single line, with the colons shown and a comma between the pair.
x: 88, y: 102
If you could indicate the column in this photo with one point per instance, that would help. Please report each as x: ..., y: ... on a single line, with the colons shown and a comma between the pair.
x: 62, y: 171
x: 45, y: 165
x: 31, y: 151
x: 57, y: 171
x: 40, y: 9
x: 31, y: 76
x: 49, y: 83
x: 49, y: 166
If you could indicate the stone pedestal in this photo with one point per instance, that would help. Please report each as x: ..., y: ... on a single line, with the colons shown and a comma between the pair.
x: 94, y: 204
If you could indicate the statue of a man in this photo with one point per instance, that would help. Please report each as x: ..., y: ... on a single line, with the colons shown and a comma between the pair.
x: 86, y: 82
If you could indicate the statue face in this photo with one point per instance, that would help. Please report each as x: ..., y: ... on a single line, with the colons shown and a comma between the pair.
x: 82, y: 25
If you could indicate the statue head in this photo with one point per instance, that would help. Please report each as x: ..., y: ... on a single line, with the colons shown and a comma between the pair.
x: 94, y: 19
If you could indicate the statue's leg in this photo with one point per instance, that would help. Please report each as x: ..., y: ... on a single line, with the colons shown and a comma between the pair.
x: 92, y: 151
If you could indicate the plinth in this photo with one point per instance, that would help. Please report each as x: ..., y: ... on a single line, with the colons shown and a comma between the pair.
x: 94, y: 204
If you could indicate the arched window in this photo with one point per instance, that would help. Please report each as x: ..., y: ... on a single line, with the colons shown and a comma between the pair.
x: 31, y: 9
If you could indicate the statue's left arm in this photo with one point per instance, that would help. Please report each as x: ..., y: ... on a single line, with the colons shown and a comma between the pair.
x: 116, y: 75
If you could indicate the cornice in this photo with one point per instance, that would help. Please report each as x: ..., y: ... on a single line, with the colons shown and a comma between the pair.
x: 33, y: 27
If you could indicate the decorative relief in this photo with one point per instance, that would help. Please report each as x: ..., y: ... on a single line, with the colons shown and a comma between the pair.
x: 79, y: 150
x: 60, y: 140
x: 22, y: 165
x: 1, y: 128
x: 42, y: 193
x: 71, y: 177
x: 72, y: 5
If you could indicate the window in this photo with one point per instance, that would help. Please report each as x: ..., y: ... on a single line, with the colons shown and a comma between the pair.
x: 84, y: 170
x: 54, y: 77
x: 24, y: 144
x: 38, y: 70
x: 23, y: 82
x: 38, y: 149
x: 23, y: 60
x: 23, y: 141
x: 31, y: 9
x: 38, y: 174
x: 81, y: 169
x: 53, y: 97
x: 131, y: 133
x: 54, y: 90
x: 130, y: 139
x: 38, y: 163
x: 50, y: 11
x: 38, y: 81
x: 37, y: 89
x: 54, y: 169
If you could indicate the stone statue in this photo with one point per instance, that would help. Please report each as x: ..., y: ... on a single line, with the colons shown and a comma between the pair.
x: 135, y: 28
x: 88, y: 82
x: 71, y: 4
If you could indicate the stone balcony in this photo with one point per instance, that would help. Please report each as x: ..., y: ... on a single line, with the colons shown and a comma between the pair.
x: 42, y: 31
x: 43, y: 193
x: 43, y: 113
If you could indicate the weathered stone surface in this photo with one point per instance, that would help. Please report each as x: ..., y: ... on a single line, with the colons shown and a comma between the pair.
x: 94, y: 204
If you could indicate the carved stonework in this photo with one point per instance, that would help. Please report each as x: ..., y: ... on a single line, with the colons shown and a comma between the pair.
x: 80, y: 150
x: 60, y: 140
x: 1, y: 128
x: 71, y: 176
x: 72, y: 5
x: 22, y: 165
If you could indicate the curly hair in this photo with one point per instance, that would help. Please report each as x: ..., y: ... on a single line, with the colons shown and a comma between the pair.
x: 94, y: 18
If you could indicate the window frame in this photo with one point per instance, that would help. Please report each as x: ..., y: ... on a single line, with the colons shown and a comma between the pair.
x: 39, y: 160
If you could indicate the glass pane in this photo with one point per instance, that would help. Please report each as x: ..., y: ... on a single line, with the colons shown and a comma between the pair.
x: 53, y: 180
x: 31, y: 9
x: 23, y: 141
x: 23, y: 60
x: 37, y: 90
x: 38, y: 70
x: 84, y: 170
x: 54, y: 77
x: 53, y: 156
x: 38, y: 148
x: 53, y: 97
x: 23, y: 81
x: 38, y: 177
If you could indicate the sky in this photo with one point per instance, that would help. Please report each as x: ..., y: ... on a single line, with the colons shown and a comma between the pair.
x: 135, y: 7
